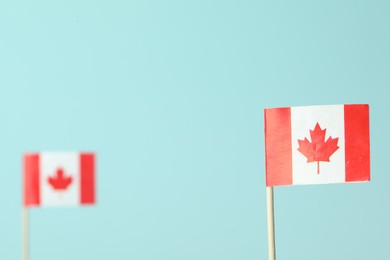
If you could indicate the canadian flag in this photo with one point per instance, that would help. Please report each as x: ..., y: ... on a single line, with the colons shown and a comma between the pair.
x: 317, y: 144
x: 58, y: 179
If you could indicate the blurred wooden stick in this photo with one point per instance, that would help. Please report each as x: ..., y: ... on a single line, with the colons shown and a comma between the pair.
x: 271, y: 225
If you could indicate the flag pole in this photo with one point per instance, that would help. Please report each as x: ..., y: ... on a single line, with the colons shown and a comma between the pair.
x: 271, y: 225
x: 25, y: 233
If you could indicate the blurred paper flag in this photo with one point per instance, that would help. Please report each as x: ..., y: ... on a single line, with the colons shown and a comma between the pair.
x: 58, y: 179
x: 317, y: 144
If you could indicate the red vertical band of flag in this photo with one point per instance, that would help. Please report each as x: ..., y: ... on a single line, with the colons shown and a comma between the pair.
x: 87, y: 178
x: 278, y: 146
x: 357, y: 143
x: 31, y: 179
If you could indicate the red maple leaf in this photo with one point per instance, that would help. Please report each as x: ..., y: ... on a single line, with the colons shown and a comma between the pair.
x: 59, y: 181
x: 318, y: 150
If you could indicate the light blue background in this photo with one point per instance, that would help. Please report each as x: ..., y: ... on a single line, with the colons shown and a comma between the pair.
x: 170, y: 94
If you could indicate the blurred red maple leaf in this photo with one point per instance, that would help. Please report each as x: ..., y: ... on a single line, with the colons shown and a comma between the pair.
x: 318, y: 150
x: 59, y: 181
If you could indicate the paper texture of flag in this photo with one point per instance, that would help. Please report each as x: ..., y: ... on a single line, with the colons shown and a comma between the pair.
x: 317, y: 144
x: 58, y: 179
